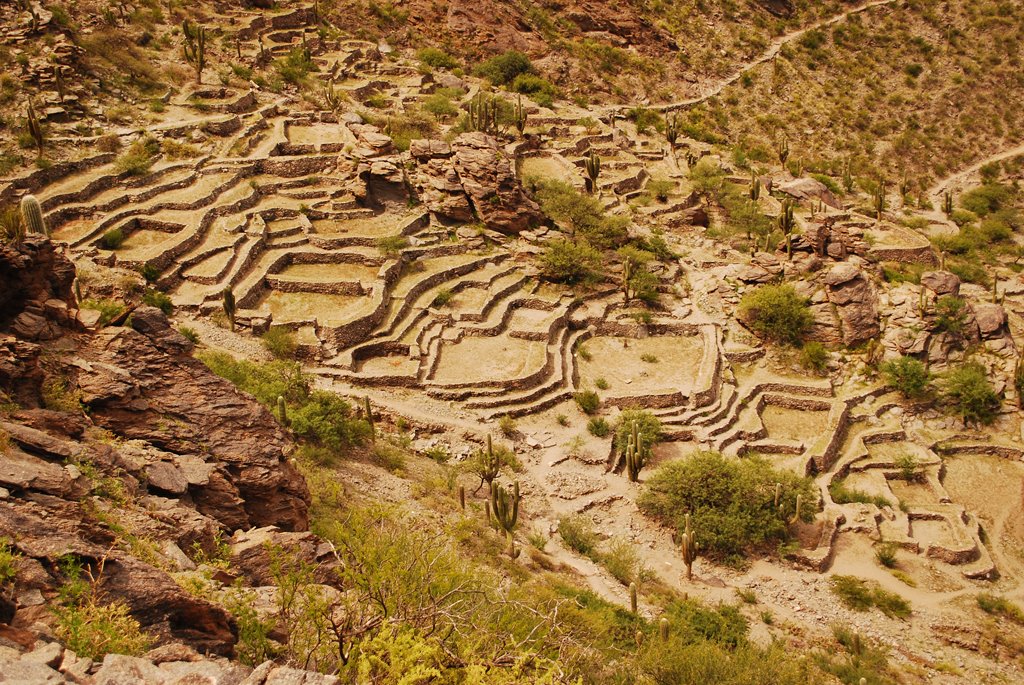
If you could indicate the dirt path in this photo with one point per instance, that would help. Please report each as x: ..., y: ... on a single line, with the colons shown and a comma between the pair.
x: 765, y: 56
x: 962, y: 175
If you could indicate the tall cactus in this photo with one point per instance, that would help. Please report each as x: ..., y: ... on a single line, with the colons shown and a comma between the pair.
x: 592, y: 165
x: 799, y: 505
x: 368, y: 415
x: 194, y: 46
x: 627, y: 275
x: 282, y: 410
x: 848, y: 176
x: 663, y: 629
x: 786, y: 223
x: 879, y: 200
x: 947, y: 203
x: 505, y: 507
x: 230, y: 309
x: 782, y: 149
x: 632, y: 597
x: 490, y: 464
x: 778, y: 494
x: 483, y: 114
x: 32, y: 216
x: 34, y: 127
x: 636, y: 453
x: 519, y: 116
x: 58, y: 82
x: 755, y: 187
x: 689, y: 547
x: 672, y: 130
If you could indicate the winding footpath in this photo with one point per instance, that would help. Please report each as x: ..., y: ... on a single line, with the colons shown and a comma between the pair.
x: 767, y: 55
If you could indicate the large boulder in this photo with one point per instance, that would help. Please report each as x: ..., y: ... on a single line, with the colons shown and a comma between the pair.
x: 142, y: 384
x: 486, y: 174
x: 805, y: 189
x: 941, y: 282
x: 856, y: 303
x: 35, y: 289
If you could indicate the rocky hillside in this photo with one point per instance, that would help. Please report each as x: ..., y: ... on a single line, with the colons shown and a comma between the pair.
x: 511, y: 342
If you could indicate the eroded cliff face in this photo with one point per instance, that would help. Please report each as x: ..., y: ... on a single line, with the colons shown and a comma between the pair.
x: 121, y: 449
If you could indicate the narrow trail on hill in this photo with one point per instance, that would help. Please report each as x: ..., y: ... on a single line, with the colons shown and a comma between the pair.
x: 961, y: 175
x: 765, y: 56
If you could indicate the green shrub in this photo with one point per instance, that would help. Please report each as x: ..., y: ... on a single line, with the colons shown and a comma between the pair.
x: 908, y: 375
x: 885, y: 553
x: 326, y: 419
x: 950, y: 314
x: 647, y: 425
x: 599, y: 427
x: 600, y: 383
x: 858, y: 595
x: 587, y: 401
x: 582, y: 214
x: 578, y: 534
x: 507, y: 426
x: 645, y: 118
x: 501, y: 70
x: 58, y: 395
x: 436, y: 58
x: 160, y: 300
x: 971, y: 395
x: 138, y: 158
x: 777, y: 313
x: 540, y: 89
x: 108, y: 309
x: 280, y: 342
x: 440, y: 106
x: 442, y: 298
x: 392, y: 245
x: 566, y: 261
x: 986, y: 199
x: 814, y: 357
x: 266, y: 382
x: 730, y: 502
x: 841, y: 494
x: 190, y: 334
x: 112, y: 239
x: 8, y: 562
x: 411, y: 125
x: 828, y: 182
x: 295, y: 67
x: 622, y: 561
x: 1000, y: 606
x: 90, y: 628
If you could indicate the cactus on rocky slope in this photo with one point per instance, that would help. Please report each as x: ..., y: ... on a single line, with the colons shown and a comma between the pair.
x: 32, y: 216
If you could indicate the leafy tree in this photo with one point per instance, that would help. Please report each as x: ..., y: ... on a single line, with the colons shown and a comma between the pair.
x: 777, y: 313
x: 501, y: 70
x: 950, y: 314
x: 326, y: 420
x: 581, y: 213
x: 565, y: 261
x: 731, y: 502
x: 968, y: 391
x: 707, y: 177
x: 908, y: 375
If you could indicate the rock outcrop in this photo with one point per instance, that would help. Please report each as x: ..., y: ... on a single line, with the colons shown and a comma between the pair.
x: 486, y: 175
x: 855, y: 302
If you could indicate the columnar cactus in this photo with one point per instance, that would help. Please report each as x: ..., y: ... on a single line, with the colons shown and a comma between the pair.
x: 627, y: 274
x: 593, y: 169
x: 879, y: 200
x: 368, y: 415
x: 786, y: 223
x: 462, y: 497
x: 230, y: 309
x: 35, y: 128
x: 848, y: 176
x: 755, y: 187
x: 490, y: 464
x: 672, y: 130
x: 58, y: 82
x: 506, y: 513
x: 282, y: 410
x: 32, y: 216
x: 519, y: 116
x: 947, y: 203
x: 778, y: 494
x: 194, y: 46
x: 689, y: 547
x: 782, y: 149
x: 632, y: 597
x: 483, y: 114
x: 663, y: 629
x: 799, y: 505
x: 636, y: 453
